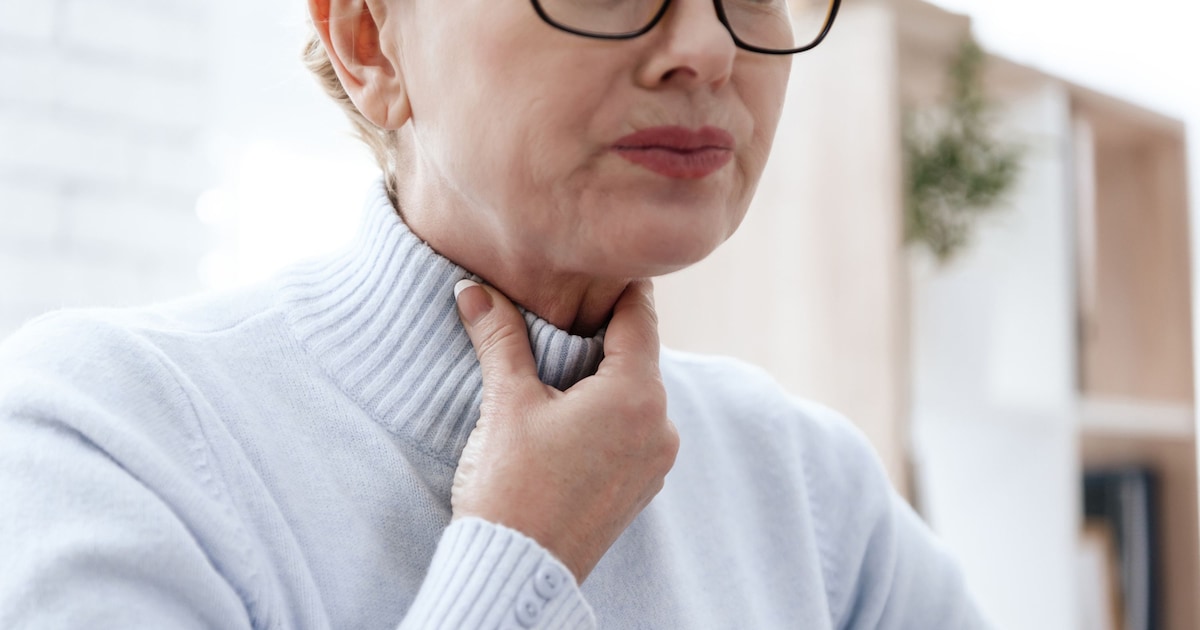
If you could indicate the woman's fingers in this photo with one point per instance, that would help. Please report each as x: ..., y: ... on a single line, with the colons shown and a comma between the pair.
x: 570, y: 471
x: 497, y: 331
x: 631, y: 342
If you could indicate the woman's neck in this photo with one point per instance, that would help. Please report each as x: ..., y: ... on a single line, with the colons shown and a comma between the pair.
x: 577, y: 304
x: 580, y: 309
x: 571, y: 301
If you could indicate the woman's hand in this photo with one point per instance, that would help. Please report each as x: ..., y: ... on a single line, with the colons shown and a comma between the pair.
x: 569, y: 469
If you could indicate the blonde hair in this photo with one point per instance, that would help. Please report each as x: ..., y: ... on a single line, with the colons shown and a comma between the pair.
x: 384, y: 143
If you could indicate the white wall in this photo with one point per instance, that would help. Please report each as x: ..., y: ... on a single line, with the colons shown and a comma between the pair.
x: 290, y: 176
x: 102, y: 108
x: 152, y: 148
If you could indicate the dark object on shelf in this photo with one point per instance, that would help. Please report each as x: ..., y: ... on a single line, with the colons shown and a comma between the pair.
x: 1127, y: 499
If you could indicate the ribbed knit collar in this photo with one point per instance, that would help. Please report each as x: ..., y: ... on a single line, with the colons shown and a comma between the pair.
x: 381, y: 318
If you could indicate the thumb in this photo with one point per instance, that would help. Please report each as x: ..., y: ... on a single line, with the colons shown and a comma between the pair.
x: 631, y: 343
x: 497, y: 331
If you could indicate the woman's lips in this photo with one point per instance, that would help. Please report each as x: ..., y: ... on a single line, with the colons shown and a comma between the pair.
x: 678, y: 152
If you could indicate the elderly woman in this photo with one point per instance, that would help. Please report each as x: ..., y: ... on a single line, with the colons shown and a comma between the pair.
x: 382, y: 439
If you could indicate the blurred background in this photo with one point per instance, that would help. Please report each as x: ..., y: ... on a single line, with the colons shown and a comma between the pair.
x: 985, y: 262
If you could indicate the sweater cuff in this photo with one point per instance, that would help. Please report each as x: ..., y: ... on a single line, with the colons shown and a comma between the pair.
x: 486, y: 575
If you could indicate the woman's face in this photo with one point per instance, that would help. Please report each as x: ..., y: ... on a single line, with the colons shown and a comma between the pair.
x: 530, y: 128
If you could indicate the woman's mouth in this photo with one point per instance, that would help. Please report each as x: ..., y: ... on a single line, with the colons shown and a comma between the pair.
x: 678, y: 152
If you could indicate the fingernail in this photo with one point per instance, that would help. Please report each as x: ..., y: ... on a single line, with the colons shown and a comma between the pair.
x: 472, y: 305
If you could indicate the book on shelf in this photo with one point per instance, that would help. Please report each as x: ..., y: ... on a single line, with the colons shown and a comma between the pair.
x: 1099, y: 591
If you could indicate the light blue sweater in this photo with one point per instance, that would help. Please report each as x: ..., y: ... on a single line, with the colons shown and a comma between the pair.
x: 281, y: 457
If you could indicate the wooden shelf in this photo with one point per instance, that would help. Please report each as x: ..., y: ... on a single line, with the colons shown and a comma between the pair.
x: 1134, y: 270
x: 1137, y: 419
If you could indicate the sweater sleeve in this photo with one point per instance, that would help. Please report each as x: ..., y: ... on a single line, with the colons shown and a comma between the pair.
x: 884, y: 568
x: 486, y: 575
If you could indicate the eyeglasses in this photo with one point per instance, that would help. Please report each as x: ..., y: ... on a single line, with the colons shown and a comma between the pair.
x: 773, y: 27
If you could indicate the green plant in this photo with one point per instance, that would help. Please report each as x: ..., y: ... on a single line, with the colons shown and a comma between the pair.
x: 956, y: 169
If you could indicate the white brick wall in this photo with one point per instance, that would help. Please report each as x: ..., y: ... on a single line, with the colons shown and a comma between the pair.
x: 103, y: 114
x: 145, y: 33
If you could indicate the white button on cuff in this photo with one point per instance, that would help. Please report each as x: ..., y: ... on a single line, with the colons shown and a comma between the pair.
x: 549, y: 581
x: 529, y: 609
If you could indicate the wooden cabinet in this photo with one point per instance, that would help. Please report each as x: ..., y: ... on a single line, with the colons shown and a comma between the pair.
x: 1136, y: 361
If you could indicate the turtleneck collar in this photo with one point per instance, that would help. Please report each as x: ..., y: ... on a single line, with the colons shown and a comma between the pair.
x: 382, y: 320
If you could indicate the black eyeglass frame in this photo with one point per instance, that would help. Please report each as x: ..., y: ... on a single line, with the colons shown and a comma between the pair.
x: 717, y: 4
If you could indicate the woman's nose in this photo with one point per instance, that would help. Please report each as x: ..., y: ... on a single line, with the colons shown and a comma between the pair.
x: 689, y: 48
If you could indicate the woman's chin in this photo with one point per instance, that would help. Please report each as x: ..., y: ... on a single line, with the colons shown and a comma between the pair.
x: 638, y: 237
x: 676, y: 242
x: 651, y: 254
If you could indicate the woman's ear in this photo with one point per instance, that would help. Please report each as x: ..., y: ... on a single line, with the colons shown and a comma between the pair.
x: 365, y: 63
